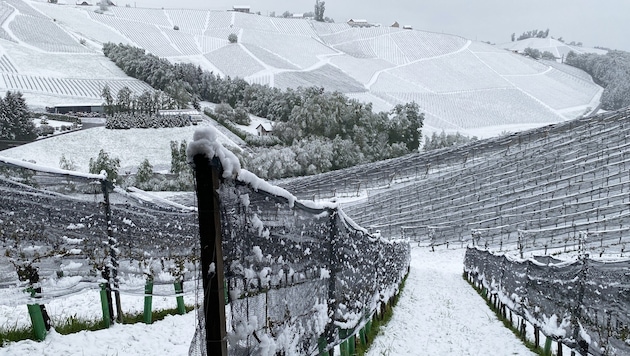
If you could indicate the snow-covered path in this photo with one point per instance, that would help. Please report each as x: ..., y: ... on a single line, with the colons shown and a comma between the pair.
x: 438, y: 313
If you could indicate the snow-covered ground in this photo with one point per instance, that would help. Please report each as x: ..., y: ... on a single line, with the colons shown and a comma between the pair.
x: 130, y: 146
x: 438, y: 314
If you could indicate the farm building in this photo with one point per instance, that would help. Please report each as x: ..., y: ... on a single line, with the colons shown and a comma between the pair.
x: 241, y: 8
x: 193, y: 115
x: 359, y: 23
x: 395, y: 24
x: 264, y: 129
x: 65, y: 109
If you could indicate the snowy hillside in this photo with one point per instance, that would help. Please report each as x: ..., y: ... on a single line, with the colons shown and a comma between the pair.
x: 460, y: 84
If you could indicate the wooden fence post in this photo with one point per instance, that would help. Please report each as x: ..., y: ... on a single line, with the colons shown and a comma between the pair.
x: 207, y: 176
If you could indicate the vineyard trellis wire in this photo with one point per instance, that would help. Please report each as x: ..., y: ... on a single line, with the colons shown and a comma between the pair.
x: 582, y: 304
x: 301, y: 277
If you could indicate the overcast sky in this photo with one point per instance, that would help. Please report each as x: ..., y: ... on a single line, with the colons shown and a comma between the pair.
x: 593, y: 22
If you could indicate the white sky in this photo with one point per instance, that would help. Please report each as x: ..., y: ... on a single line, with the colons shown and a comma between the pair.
x: 595, y: 23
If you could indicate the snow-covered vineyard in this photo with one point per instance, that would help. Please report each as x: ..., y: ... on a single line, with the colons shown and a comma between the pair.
x: 558, y: 191
x: 300, y: 277
x: 54, y: 51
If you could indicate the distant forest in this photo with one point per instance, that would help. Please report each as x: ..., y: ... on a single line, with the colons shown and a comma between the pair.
x: 317, y: 131
x: 612, y: 71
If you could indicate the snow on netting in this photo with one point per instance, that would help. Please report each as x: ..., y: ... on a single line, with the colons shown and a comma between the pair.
x: 581, y: 302
x: 299, y: 275
x: 54, y: 235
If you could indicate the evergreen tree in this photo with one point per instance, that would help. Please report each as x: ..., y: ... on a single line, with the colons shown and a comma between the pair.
x: 15, y: 121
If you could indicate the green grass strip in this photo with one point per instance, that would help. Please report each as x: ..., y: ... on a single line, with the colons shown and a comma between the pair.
x: 380, y: 321
x: 74, y: 325
x: 506, y: 322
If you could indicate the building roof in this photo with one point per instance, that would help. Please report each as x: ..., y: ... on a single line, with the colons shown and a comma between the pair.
x: 179, y: 112
x: 241, y: 7
x: 358, y: 20
x: 265, y: 126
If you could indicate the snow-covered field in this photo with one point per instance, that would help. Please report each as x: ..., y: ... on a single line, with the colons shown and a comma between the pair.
x: 130, y: 146
x: 381, y: 61
x: 438, y: 314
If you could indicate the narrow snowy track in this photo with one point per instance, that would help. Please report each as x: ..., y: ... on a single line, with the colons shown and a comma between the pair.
x: 440, y: 314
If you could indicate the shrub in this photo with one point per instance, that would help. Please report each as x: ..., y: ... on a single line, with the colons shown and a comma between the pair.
x: 104, y: 163
x: 145, y: 172
x: 233, y: 38
x: 45, y: 130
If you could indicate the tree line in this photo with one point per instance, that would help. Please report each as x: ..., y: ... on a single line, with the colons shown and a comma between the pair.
x: 611, y: 70
x: 329, y: 129
x: 126, y: 101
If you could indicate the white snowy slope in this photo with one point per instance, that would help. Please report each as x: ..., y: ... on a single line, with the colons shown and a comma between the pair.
x: 130, y: 146
x: 170, y: 336
x: 52, y: 53
x: 438, y: 314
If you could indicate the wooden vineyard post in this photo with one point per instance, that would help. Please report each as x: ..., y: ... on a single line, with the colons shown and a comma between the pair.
x: 207, y: 179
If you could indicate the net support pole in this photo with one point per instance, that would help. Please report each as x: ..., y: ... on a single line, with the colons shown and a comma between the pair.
x: 207, y: 175
x: 113, y: 250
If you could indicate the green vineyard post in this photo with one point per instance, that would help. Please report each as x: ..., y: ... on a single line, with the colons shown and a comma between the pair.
x: 179, y: 289
x: 148, y: 301
x: 362, y: 336
x: 352, y: 345
x: 321, y: 345
x: 105, y: 306
x: 344, y: 345
x: 547, y: 350
x: 37, y: 319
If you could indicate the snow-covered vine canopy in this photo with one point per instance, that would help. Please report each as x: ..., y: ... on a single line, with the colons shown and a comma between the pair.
x: 296, y: 271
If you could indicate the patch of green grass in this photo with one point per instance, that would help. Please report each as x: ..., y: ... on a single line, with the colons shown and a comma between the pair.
x: 506, y: 322
x: 380, y: 321
x: 74, y: 325
x: 156, y: 315
x: 15, y: 334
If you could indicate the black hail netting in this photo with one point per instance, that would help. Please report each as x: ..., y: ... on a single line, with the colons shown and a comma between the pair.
x: 53, y: 225
x: 589, y: 299
x: 300, y: 278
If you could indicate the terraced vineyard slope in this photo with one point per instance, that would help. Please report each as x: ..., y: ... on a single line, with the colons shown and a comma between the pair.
x: 541, y: 190
x: 461, y: 85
